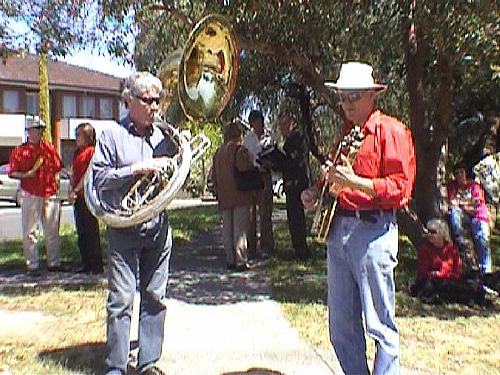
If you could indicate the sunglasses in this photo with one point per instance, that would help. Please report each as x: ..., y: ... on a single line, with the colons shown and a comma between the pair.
x: 350, y: 97
x: 149, y: 101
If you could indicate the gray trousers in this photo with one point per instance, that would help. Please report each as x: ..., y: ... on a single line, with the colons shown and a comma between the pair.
x: 136, y: 259
x: 235, y: 228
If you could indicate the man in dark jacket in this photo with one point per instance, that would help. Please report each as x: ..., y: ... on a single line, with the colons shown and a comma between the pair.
x: 295, y: 179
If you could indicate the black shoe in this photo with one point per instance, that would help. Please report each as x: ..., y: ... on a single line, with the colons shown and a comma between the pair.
x: 153, y: 370
x: 34, y: 272
x: 243, y: 267
x: 230, y: 267
x: 304, y: 257
x: 82, y: 270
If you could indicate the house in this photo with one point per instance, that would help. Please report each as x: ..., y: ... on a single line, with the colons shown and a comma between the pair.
x: 76, y: 95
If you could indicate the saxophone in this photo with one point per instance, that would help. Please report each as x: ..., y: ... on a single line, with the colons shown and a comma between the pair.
x: 349, y: 146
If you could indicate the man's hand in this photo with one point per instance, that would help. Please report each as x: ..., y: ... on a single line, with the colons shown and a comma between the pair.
x: 71, y: 196
x: 309, y: 198
x: 147, y: 166
x: 20, y: 175
x: 344, y: 176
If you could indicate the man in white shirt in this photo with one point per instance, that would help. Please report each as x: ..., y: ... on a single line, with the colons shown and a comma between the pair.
x: 255, y: 140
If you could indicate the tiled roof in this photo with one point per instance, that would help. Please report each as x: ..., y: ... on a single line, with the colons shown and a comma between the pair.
x: 24, y: 71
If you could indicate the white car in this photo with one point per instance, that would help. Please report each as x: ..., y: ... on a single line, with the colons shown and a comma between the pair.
x: 10, y: 189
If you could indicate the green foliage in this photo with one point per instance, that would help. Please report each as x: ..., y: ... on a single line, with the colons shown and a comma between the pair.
x: 289, y: 48
x: 54, y: 27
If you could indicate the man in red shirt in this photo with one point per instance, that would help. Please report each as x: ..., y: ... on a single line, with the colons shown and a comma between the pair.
x: 36, y: 163
x: 363, y: 238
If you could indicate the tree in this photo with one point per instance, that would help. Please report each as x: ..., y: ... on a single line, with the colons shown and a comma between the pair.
x: 426, y: 51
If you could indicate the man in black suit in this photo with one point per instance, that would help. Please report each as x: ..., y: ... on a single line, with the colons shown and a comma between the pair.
x: 295, y: 170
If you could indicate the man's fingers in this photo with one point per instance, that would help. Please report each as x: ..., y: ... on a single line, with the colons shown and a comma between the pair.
x: 346, y: 162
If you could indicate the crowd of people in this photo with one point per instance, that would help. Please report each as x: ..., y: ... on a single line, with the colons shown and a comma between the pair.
x: 362, y: 245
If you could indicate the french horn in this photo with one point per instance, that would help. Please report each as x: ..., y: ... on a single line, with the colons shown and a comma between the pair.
x: 203, y: 76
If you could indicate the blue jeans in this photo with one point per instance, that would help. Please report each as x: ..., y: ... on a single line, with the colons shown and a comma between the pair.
x: 135, y: 256
x: 362, y: 256
x: 480, y: 233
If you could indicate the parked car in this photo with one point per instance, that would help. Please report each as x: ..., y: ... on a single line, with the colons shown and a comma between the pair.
x: 10, y: 189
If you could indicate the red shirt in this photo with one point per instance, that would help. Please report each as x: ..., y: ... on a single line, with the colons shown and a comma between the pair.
x: 445, y: 260
x: 387, y: 156
x: 81, y: 160
x: 22, y: 159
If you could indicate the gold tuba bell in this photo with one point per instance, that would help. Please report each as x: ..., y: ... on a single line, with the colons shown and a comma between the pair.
x: 203, y: 76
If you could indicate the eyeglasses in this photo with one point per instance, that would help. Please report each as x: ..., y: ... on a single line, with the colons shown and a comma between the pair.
x: 431, y: 231
x: 149, y: 101
x: 350, y: 97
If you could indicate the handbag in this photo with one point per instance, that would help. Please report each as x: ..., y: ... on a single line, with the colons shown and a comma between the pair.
x: 247, y: 180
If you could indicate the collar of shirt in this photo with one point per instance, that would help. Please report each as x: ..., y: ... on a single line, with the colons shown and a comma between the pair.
x: 130, y: 126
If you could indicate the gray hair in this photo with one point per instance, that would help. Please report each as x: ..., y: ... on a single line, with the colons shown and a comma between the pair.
x: 441, y: 228
x: 140, y: 82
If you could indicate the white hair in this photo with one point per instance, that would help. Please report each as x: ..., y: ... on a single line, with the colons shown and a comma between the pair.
x: 140, y: 82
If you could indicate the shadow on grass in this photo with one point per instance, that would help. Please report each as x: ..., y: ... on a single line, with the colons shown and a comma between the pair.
x: 84, y: 358
x: 198, y: 274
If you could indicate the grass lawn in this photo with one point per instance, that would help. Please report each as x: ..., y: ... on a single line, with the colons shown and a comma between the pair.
x: 71, y: 334
x: 445, y: 339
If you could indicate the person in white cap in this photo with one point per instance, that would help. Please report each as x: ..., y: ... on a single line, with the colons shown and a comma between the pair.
x: 36, y: 163
x: 363, y: 238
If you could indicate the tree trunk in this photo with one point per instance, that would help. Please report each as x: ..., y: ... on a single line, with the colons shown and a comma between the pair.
x: 43, y: 82
x: 414, y: 59
x: 429, y: 140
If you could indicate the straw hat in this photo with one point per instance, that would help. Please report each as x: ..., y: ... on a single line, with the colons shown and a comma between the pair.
x: 356, y: 76
x: 34, y: 122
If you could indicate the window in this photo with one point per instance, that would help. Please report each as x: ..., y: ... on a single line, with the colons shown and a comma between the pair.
x: 87, y: 106
x: 105, y: 108
x: 11, y: 101
x: 69, y: 106
x: 32, y: 107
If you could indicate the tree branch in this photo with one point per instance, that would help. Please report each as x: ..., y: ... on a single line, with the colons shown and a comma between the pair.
x: 306, y: 68
x: 176, y: 13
